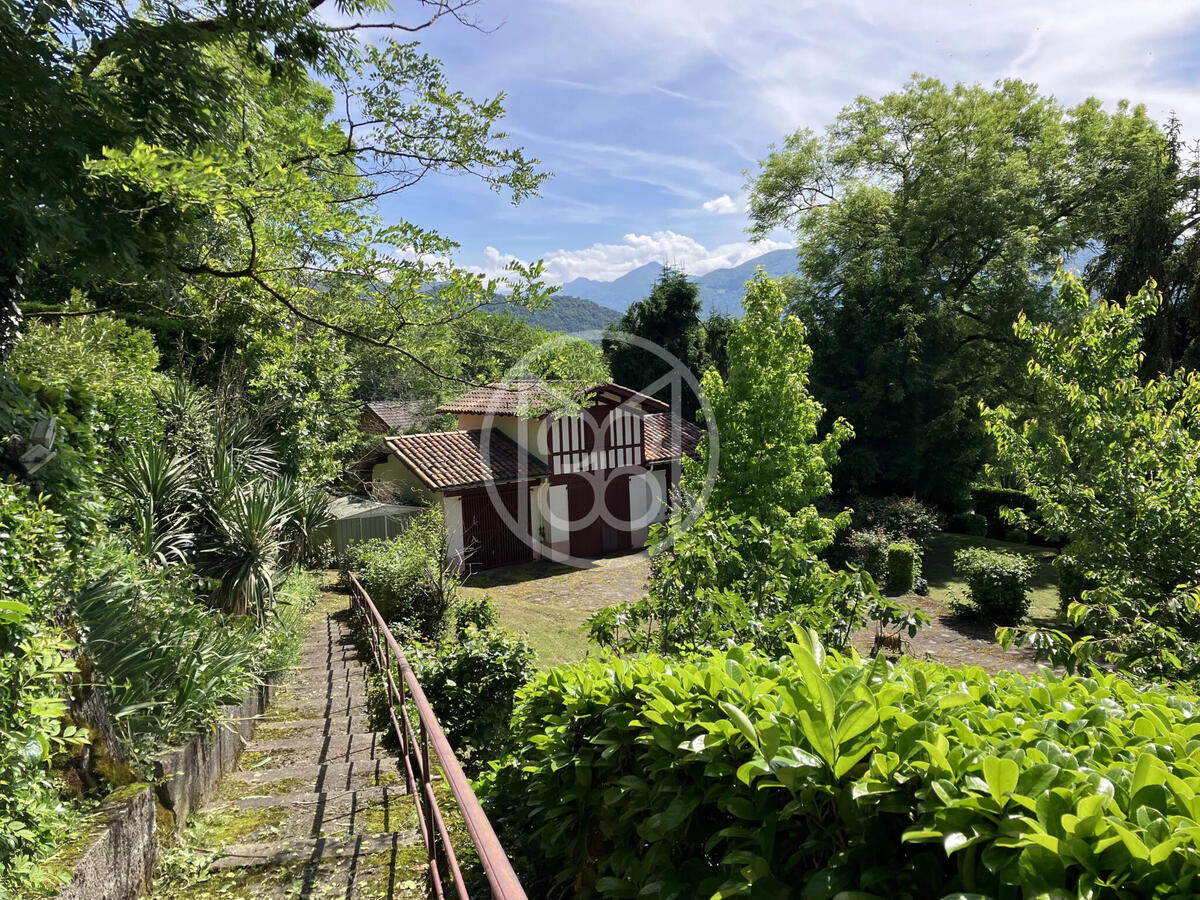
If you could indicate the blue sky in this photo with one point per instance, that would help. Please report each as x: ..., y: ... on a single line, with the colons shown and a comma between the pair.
x: 649, y: 112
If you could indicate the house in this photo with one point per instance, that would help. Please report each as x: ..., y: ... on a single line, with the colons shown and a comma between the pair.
x: 519, y: 481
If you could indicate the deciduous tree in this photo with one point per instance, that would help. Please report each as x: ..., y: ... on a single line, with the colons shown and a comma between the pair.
x: 1113, y: 461
x: 927, y: 220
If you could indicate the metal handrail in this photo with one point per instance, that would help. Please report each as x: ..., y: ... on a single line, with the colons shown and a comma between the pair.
x: 418, y: 772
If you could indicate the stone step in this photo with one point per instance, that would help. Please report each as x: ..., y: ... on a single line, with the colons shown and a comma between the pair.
x: 335, y: 748
x: 323, y: 777
x: 358, y: 796
x: 308, y: 850
x: 335, y: 681
x: 309, y: 816
x: 335, y: 657
x: 323, y: 707
x: 312, y: 728
x: 327, y: 646
x: 293, y: 694
x: 340, y: 666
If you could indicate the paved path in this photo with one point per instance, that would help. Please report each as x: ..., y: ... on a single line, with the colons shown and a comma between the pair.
x: 318, y: 808
x: 955, y: 641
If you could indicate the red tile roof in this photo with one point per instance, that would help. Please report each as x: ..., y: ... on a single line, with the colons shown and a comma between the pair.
x: 402, y: 415
x: 667, y: 436
x: 504, y: 399
x: 531, y: 397
x: 453, y: 459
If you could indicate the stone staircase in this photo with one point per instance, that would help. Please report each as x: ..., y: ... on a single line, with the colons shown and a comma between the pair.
x: 318, y: 807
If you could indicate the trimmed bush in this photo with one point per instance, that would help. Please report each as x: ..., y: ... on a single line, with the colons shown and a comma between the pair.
x: 869, y: 551
x: 475, y: 612
x: 970, y: 523
x: 989, y: 501
x: 997, y: 583
x: 471, y: 683
x: 737, y: 774
x: 903, y: 567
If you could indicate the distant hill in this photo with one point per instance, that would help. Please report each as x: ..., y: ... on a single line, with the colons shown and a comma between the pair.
x: 568, y: 314
x: 721, y: 290
x: 621, y: 292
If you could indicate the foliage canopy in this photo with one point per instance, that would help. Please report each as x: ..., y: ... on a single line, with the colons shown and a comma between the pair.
x: 927, y: 220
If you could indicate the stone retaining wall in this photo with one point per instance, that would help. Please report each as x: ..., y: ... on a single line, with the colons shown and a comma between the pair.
x: 118, y: 856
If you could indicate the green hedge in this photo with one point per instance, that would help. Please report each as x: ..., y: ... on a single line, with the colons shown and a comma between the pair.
x: 971, y: 523
x: 737, y: 774
x: 903, y: 567
x: 997, y: 583
x: 408, y: 577
x: 471, y: 682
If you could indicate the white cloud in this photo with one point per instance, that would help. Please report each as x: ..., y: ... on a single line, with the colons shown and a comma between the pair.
x: 722, y: 205
x: 605, y: 262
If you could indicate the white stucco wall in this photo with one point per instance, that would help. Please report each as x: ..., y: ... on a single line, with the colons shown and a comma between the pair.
x: 393, y: 481
x: 452, y: 508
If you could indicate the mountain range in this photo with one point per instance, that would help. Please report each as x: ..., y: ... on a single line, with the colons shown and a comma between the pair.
x: 721, y: 290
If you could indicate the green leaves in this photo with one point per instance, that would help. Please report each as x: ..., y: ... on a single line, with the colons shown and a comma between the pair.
x: 732, y: 772
x: 1111, y: 459
x: 1001, y: 776
x: 925, y: 219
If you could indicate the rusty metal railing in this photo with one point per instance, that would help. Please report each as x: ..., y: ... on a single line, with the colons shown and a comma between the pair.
x: 418, y: 771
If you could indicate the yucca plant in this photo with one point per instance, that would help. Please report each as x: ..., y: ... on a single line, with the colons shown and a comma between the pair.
x: 167, y: 664
x: 155, y: 494
x: 310, y: 513
x: 244, y: 546
x: 188, y: 413
x: 242, y: 444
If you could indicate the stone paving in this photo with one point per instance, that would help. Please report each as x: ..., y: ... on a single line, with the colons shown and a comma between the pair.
x: 604, y: 582
x: 621, y: 579
x: 318, y: 808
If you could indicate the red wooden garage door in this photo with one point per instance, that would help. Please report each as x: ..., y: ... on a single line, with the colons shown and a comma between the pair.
x: 598, y: 536
x: 489, y: 539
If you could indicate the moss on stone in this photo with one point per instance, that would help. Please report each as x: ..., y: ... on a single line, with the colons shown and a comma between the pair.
x: 393, y: 812
x: 232, y: 789
x: 266, y: 759
x: 274, y: 733
x: 222, y: 827
x: 388, y: 778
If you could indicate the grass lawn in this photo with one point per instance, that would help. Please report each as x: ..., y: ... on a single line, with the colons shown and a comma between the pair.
x: 550, y: 602
x: 938, y: 570
x: 556, y: 633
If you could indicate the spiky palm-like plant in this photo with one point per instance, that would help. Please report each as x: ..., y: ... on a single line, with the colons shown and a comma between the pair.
x: 155, y: 494
x: 244, y: 546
